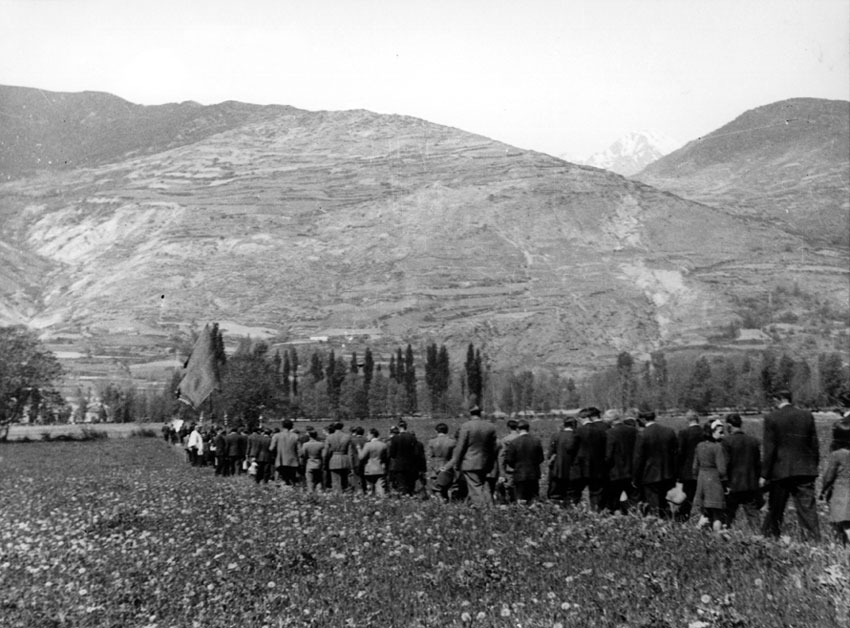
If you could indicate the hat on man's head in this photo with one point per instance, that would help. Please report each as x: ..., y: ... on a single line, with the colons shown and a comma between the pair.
x: 475, y: 411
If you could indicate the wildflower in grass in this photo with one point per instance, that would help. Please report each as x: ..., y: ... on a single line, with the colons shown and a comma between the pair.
x: 465, y: 617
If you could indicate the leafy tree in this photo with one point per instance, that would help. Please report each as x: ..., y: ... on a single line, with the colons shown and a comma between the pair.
x: 293, y: 364
x: 626, y: 383
x: 768, y: 375
x: 410, y: 381
x: 285, y: 376
x: 474, y: 375
x: 368, y: 370
x: 832, y: 377
x: 698, y: 391
x: 378, y: 390
x: 28, y: 372
x: 317, y: 371
x: 248, y: 386
x: 784, y: 373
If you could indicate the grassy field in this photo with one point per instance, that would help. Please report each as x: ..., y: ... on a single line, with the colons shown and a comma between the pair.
x: 122, y: 532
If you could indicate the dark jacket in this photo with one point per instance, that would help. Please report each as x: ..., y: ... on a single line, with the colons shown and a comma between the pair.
x: 233, y: 445
x: 620, y: 451
x: 563, y: 448
x: 524, y: 455
x: 221, y: 445
x: 592, y: 439
x: 404, y: 453
x: 790, y: 444
x: 743, y: 462
x: 656, y: 449
x: 689, y: 438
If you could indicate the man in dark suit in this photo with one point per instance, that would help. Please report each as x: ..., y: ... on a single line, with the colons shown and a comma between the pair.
x: 654, y: 467
x: 790, y: 466
x: 523, y: 457
x: 689, y: 438
x: 591, y: 456
x: 474, y: 456
x: 233, y: 459
x: 404, y: 460
x: 619, y: 457
x: 743, y: 470
x: 563, y: 451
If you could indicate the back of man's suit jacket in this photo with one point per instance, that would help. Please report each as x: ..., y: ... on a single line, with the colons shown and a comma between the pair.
x: 476, y: 446
x: 655, y: 455
x: 619, y: 451
x: 743, y: 461
x: 524, y: 454
x: 790, y: 444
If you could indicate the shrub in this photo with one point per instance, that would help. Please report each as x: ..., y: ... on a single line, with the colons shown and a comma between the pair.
x: 144, y: 432
x: 90, y: 433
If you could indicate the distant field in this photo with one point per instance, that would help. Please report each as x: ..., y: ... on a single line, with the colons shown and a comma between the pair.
x: 114, y: 430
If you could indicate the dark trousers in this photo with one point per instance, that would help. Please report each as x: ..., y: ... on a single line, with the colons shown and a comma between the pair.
x: 689, y: 488
x: 263, y: 472
x: 565, y: 491
x: 802, y: 490
x: 527, y: 490
x: 193, y: 456
x: 750, y: 501
x: 404, y: 481
x: 595, y: 491
x: 222, y: 466
x: 339, y: 480
x: 289, y: 475
x: 614, y: 492
x: 655, y: 494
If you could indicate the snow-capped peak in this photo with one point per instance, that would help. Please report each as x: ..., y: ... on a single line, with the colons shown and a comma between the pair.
x: 633, y: 152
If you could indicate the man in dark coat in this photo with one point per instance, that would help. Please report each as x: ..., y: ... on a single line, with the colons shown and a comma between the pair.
x: 594, y: 474
x: 790, y: 466
x: 233, y: 459
x: 619, y: 458
x: 523, y: 457
x: 743, y: 470
x: 563, y: 452
x: 474, y: 456
x: 689, y: 438
x: 654, y: 469
x: 405, y: 460
x: 222, y: 456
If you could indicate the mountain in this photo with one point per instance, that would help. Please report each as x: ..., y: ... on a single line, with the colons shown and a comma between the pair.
x: 59, y: 131
x: 366, y: 228
x: 633, y: 152
x: 787, y: 163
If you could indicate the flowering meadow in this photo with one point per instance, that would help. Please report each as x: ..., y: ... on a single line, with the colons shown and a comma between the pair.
x: 124, y: 533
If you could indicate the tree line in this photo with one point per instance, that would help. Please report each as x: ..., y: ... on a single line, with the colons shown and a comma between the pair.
x: 258, y: 382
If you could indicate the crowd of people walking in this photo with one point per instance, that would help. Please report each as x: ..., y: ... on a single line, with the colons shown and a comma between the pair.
x: 623, y: 463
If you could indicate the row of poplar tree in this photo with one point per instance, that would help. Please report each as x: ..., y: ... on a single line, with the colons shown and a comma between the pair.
x: 256, y: 382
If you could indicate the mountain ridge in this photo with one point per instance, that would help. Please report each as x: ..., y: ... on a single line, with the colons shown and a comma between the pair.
x: 787, y: 163
x: 386, y: 227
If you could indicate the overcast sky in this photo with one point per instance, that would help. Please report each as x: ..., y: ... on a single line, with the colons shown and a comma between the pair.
x: 563, y: 77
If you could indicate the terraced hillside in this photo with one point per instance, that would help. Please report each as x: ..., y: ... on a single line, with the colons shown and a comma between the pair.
x: 787, y: 163
x: 386, y: 227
